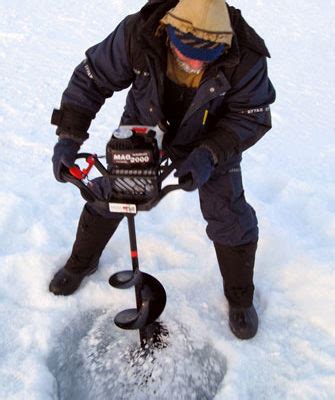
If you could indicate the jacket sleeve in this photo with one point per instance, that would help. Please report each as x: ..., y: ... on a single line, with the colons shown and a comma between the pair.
x: 105, y: 70
x: 245, y: 114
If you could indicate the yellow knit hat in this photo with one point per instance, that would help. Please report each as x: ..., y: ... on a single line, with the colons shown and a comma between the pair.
x: 205, y: 19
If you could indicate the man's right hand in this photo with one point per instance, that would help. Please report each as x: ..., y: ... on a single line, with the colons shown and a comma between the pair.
x: 65, y: 153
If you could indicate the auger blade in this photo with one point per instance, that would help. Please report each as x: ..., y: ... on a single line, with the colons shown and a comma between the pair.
x: 153, y: 303
x: 133, y: 319
x: 125, y: 279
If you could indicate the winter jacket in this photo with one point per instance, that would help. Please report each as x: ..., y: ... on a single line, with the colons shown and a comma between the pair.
x: 230, y: 111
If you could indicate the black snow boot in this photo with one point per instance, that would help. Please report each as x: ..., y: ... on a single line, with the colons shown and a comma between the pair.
x: 93, y: 234
x: 243, y: 321
x: 66, y: 282
x: 237, y: 267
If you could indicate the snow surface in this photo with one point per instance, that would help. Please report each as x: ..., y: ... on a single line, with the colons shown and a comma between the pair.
x: 53, y: 347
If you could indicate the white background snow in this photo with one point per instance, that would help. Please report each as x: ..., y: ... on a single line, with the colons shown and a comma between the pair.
x: 288, y: 178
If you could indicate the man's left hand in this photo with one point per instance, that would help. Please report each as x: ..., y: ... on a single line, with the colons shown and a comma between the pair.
x: 196, y: 169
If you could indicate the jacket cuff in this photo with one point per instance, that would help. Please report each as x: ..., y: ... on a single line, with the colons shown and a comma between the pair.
x: 65, y: 135
x: 225, y: 144
x: 73, y: 121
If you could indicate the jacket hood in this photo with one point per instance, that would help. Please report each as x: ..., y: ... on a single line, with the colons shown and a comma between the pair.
x: 245, y: 35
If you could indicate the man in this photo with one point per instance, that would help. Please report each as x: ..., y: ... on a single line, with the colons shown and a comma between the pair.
x: 197, y: 70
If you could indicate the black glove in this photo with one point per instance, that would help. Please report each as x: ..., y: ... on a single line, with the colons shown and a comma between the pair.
x: 196, y: 169
x: 65, y: 153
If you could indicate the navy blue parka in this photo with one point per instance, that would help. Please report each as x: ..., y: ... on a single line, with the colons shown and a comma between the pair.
x: 230, y: 111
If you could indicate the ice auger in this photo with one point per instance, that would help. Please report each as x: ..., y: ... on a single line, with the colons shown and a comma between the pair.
x: 135, y: 170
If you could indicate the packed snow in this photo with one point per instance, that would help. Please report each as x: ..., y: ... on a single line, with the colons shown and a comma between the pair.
x: 68, y: 347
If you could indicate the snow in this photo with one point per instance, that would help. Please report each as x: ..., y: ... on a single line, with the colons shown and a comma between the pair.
x: 49, y: 346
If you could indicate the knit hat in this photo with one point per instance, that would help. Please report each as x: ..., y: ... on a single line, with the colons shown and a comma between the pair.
x: 193, y: 47
x: 204, y: 19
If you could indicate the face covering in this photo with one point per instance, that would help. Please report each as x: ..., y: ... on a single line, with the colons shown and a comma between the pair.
x: 187, y: 64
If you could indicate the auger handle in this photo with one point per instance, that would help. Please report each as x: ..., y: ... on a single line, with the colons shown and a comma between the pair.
x: 76, y: 176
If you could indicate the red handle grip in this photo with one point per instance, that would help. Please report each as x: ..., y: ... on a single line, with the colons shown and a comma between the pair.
x: 81, y: 174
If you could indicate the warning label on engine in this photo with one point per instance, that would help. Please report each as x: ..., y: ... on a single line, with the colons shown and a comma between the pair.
x: 123, y: 208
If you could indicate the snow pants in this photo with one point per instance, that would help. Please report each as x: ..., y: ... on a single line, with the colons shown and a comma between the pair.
x: 231, y: 221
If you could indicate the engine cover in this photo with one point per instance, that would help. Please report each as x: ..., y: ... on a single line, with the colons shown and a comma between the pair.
x: 133, y: 163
